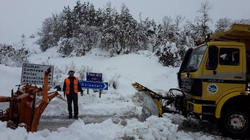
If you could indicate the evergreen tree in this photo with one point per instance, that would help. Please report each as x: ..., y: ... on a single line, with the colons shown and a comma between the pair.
x: 51, y: 31
x: 76, y: 31
x: 68, y: 22
x: 77, y: 17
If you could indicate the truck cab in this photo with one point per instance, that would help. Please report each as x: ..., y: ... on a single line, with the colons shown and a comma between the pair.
x: 214, y: 77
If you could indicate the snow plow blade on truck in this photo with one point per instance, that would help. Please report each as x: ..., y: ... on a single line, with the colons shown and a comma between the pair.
x: 27, y: 105
x: 214, y: 83
x: 157, y: 104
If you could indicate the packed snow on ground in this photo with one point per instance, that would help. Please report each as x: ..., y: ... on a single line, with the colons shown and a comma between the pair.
x: 123, y: 70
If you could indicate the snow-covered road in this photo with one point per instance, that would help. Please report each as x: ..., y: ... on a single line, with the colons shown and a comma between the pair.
x: 193, y: 127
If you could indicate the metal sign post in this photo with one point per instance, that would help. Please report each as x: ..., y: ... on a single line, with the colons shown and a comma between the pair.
x: 34, y: 74
x: 100, y: 93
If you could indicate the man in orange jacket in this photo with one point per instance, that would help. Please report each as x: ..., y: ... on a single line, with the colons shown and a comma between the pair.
x: 71, y: 87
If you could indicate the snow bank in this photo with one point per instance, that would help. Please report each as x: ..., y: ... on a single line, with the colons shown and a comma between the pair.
x: 10, y: 77
x: 153, y: 128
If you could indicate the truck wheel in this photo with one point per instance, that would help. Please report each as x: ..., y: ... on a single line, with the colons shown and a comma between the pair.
x: 235, y: 124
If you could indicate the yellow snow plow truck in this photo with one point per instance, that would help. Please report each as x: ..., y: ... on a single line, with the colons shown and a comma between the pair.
x: 213, y: 83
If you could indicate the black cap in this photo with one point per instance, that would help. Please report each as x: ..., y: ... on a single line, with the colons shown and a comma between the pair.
x: 71, y: 71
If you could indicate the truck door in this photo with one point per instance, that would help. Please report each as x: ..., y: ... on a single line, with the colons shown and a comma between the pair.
x: 227, y: 76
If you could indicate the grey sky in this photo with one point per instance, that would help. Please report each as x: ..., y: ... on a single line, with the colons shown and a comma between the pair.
x: 19, y: 17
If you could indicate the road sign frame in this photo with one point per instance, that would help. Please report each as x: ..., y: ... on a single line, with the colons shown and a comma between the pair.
x: 97, y: 77
x: 34, y: 74
x: 94, y: 85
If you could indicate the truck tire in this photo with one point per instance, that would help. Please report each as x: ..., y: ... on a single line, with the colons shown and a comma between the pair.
x: 235, y: 124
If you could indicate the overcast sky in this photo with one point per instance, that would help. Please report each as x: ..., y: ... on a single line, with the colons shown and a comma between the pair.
x: 19, y: 17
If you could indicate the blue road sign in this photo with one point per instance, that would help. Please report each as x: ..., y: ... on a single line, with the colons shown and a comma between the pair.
x: 94, y: 77
x: 94, y: 85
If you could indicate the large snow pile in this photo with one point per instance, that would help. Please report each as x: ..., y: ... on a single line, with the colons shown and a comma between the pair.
x: 10, y: 77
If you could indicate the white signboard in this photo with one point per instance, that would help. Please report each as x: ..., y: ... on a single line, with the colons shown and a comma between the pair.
x: 34, y: 74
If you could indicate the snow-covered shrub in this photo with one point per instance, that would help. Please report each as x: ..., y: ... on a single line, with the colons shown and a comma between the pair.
x: 114, y: 81
x: 168, y: 55
x: 72, y: 66
x: 58, y: 76
x: 62, y: 72
x: 66, y: 46
x: 83, y: 70
x: 10, y: 56
x: 80, y: 44
x: 87, y: 39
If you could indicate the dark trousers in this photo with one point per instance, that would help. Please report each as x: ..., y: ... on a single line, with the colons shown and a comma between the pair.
x: 72, y: 97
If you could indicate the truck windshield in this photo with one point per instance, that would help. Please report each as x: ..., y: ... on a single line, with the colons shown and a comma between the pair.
x: 195, y: 59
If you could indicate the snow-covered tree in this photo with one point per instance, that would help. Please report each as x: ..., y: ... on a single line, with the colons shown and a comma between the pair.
x: 222, y: 23
x: 51, y: 31
x: 200, y: 27
x: 79, y: 29
x: 69, y: 22
x: 243, y: 21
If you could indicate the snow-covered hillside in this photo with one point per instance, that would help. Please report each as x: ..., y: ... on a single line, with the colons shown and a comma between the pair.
x: 122, y: 70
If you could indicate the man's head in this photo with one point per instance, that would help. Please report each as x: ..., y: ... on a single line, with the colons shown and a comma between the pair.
x: 71, y: 73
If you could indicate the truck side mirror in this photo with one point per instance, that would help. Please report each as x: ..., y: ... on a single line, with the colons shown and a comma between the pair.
x: 212, y: 61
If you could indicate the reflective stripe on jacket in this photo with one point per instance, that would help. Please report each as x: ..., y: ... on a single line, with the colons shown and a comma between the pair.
x: 67, y: 82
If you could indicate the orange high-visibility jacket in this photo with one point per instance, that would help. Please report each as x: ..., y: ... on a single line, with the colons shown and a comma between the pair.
x: 67, y: 82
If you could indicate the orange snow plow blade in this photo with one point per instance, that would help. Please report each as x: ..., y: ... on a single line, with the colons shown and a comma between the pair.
x: 27, y: 105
